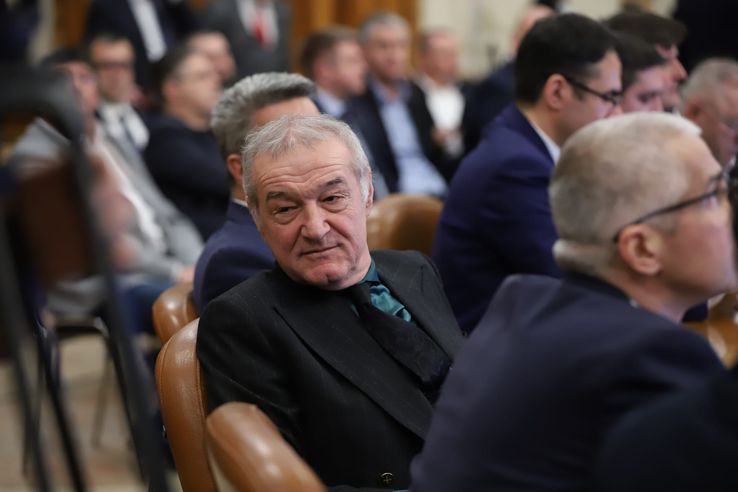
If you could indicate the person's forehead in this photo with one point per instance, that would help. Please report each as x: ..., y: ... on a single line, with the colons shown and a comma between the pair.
x: 389, y: 30
x: 330, y: 156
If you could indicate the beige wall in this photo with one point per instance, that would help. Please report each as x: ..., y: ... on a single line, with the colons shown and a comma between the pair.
x: 485, y: 27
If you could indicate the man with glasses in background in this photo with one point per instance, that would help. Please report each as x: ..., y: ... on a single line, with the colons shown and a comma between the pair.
x: 711, y: 102
x: 644, y: 228
x: 497, y: 220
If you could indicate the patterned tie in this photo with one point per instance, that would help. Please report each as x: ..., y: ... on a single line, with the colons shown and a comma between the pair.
x: 405, y: 341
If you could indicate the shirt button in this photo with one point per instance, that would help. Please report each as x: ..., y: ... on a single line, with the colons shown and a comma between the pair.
x: 386, y: 479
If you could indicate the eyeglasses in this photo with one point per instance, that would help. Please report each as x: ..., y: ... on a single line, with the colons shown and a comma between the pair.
x: 721, y: 183
x: 612, y: 97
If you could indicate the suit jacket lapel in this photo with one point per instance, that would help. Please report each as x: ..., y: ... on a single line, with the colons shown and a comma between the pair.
x: 416, y: 288
x: 341, y: 342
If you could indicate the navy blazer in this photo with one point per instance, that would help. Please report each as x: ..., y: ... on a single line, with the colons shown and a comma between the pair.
x: 303, y: 356
x: 367, y: 120
x: 189, y: 169
x: 233, y: 253
x: 551, y: 366
x: 682, y: 443
x: 496, y: 220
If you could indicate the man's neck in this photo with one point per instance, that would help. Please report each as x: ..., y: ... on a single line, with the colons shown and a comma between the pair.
x: 391, y: 88
x: 192, y: 119
x: 649, y: 295
x: 544, y: 121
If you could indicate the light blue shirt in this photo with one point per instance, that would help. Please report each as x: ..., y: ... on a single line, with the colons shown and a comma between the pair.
x: 416, y: 173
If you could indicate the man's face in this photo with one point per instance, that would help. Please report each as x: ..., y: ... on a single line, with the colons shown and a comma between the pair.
x: 674, y: 75
x: 585, y: 107
x: 645, y: 94
x: 718, y: 119
x: 387, y: 51
x: 84, y: 84
x: 113, y: 63
x: 312, y: 215
x: 216, y: 48
x: 441, y: 60
x: 197, y: 85
x: 349, y: 68
x: 699, y: 252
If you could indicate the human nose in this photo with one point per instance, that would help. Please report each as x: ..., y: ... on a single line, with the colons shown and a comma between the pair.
x: 615, y: 110
x: 314, y: 226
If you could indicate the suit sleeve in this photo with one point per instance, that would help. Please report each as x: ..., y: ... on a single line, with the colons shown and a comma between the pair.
x: 664, y: 361
x: 517, y: 218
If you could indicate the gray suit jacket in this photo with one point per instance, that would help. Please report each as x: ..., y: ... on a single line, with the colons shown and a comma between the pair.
x: 149, y: 262
x: 251, y: 58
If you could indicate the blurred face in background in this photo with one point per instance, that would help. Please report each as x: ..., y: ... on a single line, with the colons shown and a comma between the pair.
x: 646, y: 92
x: 440, y: 58
x: 84, y: 83
x: 195, y: 87
x: 717, y: 116
x: 113, y: 63
x: 215, y: 47
x: 674, y: 75
x: 387, y: 52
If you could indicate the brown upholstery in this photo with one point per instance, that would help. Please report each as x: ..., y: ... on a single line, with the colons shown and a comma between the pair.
x: 183, y: 408
x: 404, y: 221
x: 721, y: 329
x: 172, y: 310
x: 248, y: 454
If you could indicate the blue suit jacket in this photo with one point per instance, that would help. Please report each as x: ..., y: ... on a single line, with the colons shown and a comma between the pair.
x: 496, y: 220
x: 233, y: 253
x: 551, y: 366
x: 685, y: 442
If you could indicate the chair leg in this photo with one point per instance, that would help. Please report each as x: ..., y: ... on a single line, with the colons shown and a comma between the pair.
x: 102, y: 402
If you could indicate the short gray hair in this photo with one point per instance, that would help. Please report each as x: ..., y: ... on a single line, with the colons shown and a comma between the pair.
x: 291, y: 132
x: 708, y: 79
x: 380, y: 19
x: 610, y: 173
x: 233, y: 116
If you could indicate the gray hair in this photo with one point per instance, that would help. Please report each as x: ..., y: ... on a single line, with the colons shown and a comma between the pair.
x: 380, y: 19
x: 610, y: 173
x: 232, y: 117
x: 291, y: 132
x: 708, y: 79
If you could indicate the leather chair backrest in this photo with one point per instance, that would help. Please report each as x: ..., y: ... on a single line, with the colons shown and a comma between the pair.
x: 183, y: 408
x: 173, y: 309
x: 404, y: 221
x: 248, y: 454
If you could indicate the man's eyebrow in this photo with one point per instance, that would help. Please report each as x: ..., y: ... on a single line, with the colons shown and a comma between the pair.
x: 276, y: 195
x: 334, y: 182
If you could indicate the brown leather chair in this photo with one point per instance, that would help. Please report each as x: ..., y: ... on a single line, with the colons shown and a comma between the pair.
x: 173, y: 309
x: 248, y: 454
x: 404, y: 221
x: 183, y: 408
x: 721, y: 328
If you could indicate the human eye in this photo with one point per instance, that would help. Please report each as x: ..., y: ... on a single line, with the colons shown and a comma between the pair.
x: 334, y: 200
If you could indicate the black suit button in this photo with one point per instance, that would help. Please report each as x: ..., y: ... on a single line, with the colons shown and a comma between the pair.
x: 386, y: 479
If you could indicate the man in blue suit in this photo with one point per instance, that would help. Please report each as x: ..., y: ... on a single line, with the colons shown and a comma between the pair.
x: 496, y: 220
x: 236, y: 251
x: 644, y: 233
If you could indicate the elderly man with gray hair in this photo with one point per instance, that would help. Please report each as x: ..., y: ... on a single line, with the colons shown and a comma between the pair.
x: 236, y: 251
x: 344, y: 350
x: 710, y: 100
x: 644, y: 232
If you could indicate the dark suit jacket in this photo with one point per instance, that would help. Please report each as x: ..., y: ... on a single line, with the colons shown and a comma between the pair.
x: 496, y: 220
x: 685, y: 442
x: 300, y: 353
x: 484, y: 101
x: 251, y: 58
x: 188, y: 167
x: 368, y: 120
x: 115, y: 16
x: 551, y: 366
x: 233, y: 254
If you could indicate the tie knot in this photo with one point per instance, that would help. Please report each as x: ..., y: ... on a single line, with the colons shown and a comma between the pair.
x: 360, y: 293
